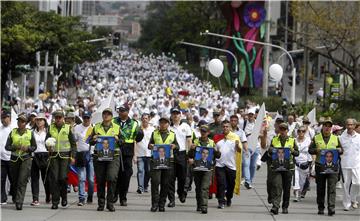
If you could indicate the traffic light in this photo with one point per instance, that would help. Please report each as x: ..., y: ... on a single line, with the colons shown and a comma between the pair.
x: 290, y: 80
x: 116, y: 38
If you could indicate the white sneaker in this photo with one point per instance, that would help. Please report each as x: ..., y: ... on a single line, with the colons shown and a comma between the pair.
x: 338, y: 185
x: 3, y: 203
x: 242, y: 182
x: 347, y: 209
x: 355, y: 205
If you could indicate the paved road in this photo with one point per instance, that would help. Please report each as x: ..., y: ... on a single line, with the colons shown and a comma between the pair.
x: 251, y: 205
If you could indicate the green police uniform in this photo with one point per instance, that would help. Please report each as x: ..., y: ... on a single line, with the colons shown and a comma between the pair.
x: 160, y: 177
x: 106, y: 171
x: 130, y: 132
x: 59, y: 160
x: 321, y: 142
x: 20, y: 162
x: 281, y: 180
x: 202, y: 178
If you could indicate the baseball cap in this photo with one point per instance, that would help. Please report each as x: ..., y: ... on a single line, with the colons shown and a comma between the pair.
x: 164, y: 119
x: 175, y: 110
x: 33, y: 114
x: 123, y: 107
x: 86, y: 114
x: 59, y: 113
x: 70, y: 115
x: 327, y: 120
x: 108, y: 110
x: 41, y: 116
x: 204, y: 128
x: 284, y: 125
x: 5, y: 113
x: 251, y: 111
x: 22, y: 117
x: 306, y: 120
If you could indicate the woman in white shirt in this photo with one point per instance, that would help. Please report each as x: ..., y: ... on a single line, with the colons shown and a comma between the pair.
x: 40, y: 160
x: 302, y: 162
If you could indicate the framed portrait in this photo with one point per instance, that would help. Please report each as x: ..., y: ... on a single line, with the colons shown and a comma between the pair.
x: 203, y: 160
x: 329, y: 160
x: 281, y: 159
x: 105, y: 146
x: 161, y: 157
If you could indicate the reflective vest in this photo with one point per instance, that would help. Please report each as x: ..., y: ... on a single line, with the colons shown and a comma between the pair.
x: 62, y: 137
x: 320, y: 143
x: 112, y: 132
x: 128, y: 132
x: 210, y: 143
x: 20, y: 140
x: 290, y: 142
x: 169, y: 139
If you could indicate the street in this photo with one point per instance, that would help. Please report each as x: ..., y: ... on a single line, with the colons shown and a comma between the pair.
x: 250, y: 205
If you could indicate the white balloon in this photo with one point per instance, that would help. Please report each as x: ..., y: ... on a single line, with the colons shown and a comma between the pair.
x: 216, y: 67
x: 276, y: 72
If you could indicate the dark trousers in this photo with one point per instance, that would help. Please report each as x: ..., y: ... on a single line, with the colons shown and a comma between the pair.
x: 124, y: 176
x: 269, y: 177
x: 20, y: 171
x: 57, y: 176
x: 321, y: 180
x: 159, y: 178
x: 179, y: 173
x: 38, y: 167
x: 281, y: 184
x: 189, y: 178
x: 5, y: 173
x: 225, y: 178
x: 202, y: 183
x: 106, y: 172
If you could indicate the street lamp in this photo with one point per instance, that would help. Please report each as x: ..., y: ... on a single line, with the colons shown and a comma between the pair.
x: 266, y: 44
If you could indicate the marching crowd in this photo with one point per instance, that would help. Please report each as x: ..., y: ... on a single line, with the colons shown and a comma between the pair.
x: 157, y: 102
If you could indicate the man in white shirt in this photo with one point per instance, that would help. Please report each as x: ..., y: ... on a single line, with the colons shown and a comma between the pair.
x: 5, y: 130
x: 84, y: 160
x: 225, y: 167
x: 350, y: 163
x: 183, y: 134
x: 143, y: 155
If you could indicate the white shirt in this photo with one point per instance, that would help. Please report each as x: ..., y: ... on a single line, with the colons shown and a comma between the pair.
x: 182, y: 132
x: 80, y: 136
x: 351, y: 145
x: 241, y: 134
x: 4, y: 133
x: 227, y: 150
x: 249, y: 127
x: 303, y: 146
x: 40, y: 141
x: 142, y: 147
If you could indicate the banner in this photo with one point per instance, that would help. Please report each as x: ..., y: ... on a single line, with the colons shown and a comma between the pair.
x: 312, y: 116
x: 254, y: 137
x: 108, y: 102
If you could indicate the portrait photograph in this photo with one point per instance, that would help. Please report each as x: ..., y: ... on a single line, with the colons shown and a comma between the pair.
x: 329, y: 160
x: 281, y: 159
x: 161, y: 157
x: 105, y: 146
x: 203, y: 159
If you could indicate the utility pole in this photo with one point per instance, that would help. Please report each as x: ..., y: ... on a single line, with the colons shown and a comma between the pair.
x: 37, y: 76
x: 306, y: 66
x: 46, y: 70
x: 267, y: 51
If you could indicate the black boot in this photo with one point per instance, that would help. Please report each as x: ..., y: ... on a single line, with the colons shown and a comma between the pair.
x: 19, y: 206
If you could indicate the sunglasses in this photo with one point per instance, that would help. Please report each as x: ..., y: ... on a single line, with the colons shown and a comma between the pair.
x: 301, y: 131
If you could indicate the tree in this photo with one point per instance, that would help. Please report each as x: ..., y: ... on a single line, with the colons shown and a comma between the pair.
x: 169, y: 22
x: 335, y: 25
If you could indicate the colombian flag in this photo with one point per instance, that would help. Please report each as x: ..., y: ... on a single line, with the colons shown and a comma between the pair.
x: 88, y: 134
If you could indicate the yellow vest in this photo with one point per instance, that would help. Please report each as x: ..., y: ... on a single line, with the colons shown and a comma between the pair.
x: 210, y: 143
x: 169, y: 140
x: 128, y: 133
x: 289, y: 144
x: 62, y: 137
x: 20, y: 140
x: 112, y: 132
x: 320, y: 143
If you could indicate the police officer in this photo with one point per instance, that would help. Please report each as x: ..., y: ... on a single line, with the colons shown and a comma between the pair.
x: 130, y: 132
x: 21, y: 143
x: 322, y: 141
x: 106, y: 171
x: 60, y: 156
x: 281, y: 180
x: 215, y: 127
x: 160, y: 177
x: 202, y: 178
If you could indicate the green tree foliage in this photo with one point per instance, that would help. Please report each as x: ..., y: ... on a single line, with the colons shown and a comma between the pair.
x: 335, y: 25
x: 26, y: 31
x: 169, y: 22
